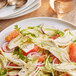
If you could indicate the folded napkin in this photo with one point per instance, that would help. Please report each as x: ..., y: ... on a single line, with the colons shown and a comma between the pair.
x: 70, y: 16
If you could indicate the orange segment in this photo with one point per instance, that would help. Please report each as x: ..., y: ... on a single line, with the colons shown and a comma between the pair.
x: 12, y: 35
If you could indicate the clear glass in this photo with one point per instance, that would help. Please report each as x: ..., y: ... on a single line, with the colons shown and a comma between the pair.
x: 62, y: 6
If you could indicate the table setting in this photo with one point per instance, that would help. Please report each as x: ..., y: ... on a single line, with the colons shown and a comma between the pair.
x: 14, y: 11
x: 37, y: 37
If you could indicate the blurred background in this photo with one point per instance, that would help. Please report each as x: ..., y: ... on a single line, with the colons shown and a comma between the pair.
x: 62, y: 9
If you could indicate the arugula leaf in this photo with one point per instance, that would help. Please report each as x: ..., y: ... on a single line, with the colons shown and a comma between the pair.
x: 19, y: 52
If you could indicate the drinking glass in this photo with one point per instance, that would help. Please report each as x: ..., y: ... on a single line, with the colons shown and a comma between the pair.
x: 62, y: 6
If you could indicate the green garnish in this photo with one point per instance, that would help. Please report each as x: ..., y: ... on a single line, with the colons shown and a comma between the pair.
x: 29, y: 39
x: 74, y: 41
x: 47, y: 52
x: 35, y: 26
x: 33, y: 35
x: 22, y: 31
x: 70, y: 33
x: 16, y: 27
x: 50, y: 59
x: 47, y: 63
x: 4, y: 71
x: 19, y: 52
x: 58, y: 32
x: 31, y: 27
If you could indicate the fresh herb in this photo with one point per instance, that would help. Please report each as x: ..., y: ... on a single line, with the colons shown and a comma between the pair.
x: 4, y: 71
x: 58, y: 32
x: 22, y: 31
x: 70, y: 33
x: 33, y: 35
x: 50, y: 59
x: 47, y: 52
x: 34, y: 27
x: 19, y: 52
x: 74, y: 41
x: 31, y: 27
x: 29, y: 39
x: 16, y: 27
x: 47, y: 64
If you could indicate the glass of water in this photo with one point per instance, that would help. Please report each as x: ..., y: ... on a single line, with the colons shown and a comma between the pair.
x: 62, y: 6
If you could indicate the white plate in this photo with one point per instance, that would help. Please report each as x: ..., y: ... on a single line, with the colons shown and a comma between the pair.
x: 61, y: 24
x: 10, y: 10
x: 34, y: 4
x: 33, y: 7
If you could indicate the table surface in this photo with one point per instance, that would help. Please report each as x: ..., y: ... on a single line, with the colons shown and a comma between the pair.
x: 44, y: 11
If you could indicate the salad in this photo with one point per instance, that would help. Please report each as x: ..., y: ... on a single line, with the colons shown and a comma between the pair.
x: 38, y: 51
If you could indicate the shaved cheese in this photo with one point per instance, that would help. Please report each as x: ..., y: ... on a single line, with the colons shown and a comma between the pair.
x: 64, y: 67
x: 64, y: 40
x: 27, y: 47
x: 17, y: 41
x: 14, y: 58
x: 60, y: 54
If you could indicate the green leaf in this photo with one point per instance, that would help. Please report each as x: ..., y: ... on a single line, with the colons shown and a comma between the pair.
x: 22, y: 31
x: 70, y: 33
x: 33, y: 35
x: 16, y: 27
x: 47, y: 64
x: 50, y: 59
x: 19, y: 52
x: 74, y: 41
x: 58, y: 32
x: 35, y: 26
x: 29, y: 39
x: 4, y: 71
x: 31, y: 27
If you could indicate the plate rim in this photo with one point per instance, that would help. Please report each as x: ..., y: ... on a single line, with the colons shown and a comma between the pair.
x: 18, y: 15
x: 48, y: 18
x: 39, y: 18
x: 45, y: 18
x: 18, y: 10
